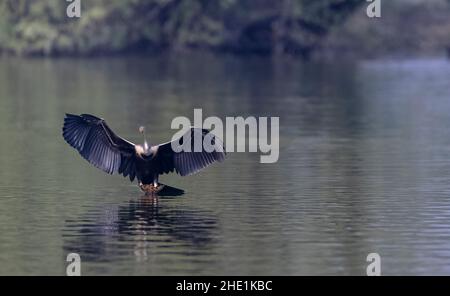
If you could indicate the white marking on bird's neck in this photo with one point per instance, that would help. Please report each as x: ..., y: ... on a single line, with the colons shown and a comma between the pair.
x: 154, y: 150
x: 139, y: 150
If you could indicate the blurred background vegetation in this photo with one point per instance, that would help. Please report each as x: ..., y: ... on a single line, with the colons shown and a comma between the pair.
x: 299, y: 27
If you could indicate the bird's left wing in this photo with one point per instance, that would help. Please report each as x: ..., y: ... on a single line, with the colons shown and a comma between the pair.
x: 188, y: 163
x: 99, y: 145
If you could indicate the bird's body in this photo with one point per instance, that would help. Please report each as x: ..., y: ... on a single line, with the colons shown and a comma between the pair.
x: 99, y: 145
x: 146, y: 169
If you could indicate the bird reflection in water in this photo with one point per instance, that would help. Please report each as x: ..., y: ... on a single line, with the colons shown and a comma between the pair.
x: 143, y: 227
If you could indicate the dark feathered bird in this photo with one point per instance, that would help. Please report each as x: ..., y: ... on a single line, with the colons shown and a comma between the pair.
x: 99, y: 145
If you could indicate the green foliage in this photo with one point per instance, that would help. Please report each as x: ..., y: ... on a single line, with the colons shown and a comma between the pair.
x: 406, y: 28
x: 42, y: 27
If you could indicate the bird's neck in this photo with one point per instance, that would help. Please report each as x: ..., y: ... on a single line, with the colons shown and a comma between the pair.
x: 143, y: 150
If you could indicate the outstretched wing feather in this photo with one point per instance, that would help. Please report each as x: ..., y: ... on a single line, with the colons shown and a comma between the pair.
x: 188, y: 163
x: 99, y: 145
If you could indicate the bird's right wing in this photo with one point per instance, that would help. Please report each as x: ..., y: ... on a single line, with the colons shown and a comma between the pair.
x: 99, y: 145
x: 188, y: 163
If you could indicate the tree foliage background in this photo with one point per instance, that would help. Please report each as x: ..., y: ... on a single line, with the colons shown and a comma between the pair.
x: 108, y: 26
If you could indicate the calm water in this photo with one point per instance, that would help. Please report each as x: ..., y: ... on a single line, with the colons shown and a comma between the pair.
x: 364, y: 167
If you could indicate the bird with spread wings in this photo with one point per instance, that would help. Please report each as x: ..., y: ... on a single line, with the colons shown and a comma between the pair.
x: 100, y: 146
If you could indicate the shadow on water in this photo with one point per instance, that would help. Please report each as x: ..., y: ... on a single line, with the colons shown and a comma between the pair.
x: 137, y: 228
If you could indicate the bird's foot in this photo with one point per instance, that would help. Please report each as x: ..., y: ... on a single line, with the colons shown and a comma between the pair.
x: 151, y: 188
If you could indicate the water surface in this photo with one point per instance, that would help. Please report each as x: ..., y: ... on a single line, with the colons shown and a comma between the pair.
x: 364, y: 167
